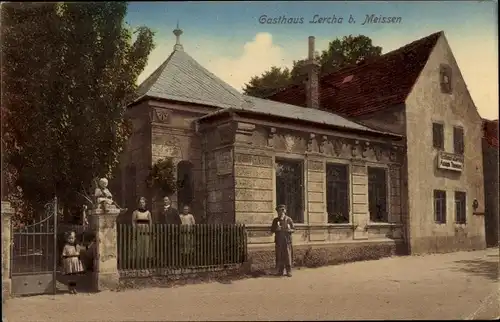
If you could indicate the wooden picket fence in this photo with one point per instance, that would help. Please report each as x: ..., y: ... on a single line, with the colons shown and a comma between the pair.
x: 164, y: 249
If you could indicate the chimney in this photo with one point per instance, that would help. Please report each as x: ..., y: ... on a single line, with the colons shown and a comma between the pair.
x: 312, y: 84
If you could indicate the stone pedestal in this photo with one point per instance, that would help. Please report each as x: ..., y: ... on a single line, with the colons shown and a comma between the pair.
x: 7, y: 212
x: 103, y: 223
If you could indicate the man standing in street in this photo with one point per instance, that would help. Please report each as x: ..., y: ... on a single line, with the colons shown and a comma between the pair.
x: 282, y: 227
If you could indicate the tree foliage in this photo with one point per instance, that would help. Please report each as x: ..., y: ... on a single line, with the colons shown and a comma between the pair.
x: 162, y: 177
x: 268, y: 82
x: 68, y: 71
x: 340, y: 53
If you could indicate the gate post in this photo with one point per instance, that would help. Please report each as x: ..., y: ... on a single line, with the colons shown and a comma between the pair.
x: 103, y: 223
x: 7, y: 212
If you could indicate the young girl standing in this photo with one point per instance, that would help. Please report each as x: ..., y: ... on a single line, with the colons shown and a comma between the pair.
x: 72, y: 264
x: 187, y: 249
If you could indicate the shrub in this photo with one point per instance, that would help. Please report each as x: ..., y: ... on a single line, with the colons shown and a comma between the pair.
x: 162, y: 177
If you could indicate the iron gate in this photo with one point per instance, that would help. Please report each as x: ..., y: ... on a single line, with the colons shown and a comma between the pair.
x: 34, y: 255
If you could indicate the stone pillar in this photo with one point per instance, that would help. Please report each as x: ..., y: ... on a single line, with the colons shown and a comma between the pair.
x: 103, y: 223
x: 360, y: 215
x: 7, y: 212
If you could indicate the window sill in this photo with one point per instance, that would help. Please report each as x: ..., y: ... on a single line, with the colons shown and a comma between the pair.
x: 326, y: 225
x: 341, y: 225
x: 440, y: 223
x: 382, y: 224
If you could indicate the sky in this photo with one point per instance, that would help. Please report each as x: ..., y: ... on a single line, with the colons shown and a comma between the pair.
x: 231, y: 40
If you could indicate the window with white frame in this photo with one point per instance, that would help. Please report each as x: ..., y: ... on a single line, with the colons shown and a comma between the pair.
x: 440, y: 206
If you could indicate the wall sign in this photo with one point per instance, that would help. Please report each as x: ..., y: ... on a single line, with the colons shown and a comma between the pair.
x: 450, y: 161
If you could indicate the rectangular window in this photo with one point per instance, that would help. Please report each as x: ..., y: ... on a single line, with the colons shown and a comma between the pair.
x: 290, y: 187
x: 458, y: 140
x: 460, y: 202
x: 337, y: 193
x: 440, y: 206
x: 438, y: 136
x: 377, y: 194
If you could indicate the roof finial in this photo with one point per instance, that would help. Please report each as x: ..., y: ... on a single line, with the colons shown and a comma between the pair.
x: 178, y: 33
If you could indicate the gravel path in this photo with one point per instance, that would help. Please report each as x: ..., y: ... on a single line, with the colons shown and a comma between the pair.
x: 460, y: 285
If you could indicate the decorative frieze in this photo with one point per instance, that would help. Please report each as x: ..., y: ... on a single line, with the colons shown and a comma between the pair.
x: 355, y: 149
x: 364, y: 149
x: 161, y: 115
x: 310, y: 142
x: 322, y: 142
x: 349, y: 148
x: 358, y: 148
x: 377, y: 151
x: 337, y: 144
x: 289, y: 142
x: 270, y: 136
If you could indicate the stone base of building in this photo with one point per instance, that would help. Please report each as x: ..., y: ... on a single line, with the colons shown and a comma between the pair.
x: 261, y: 257
x: 106, y: 282
x: 446, y: 244
x: 6, y: 288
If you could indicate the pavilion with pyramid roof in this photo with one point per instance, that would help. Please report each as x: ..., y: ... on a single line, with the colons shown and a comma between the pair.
x: 237, y: 157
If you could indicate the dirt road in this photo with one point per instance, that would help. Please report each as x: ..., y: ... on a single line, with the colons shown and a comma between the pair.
x: 450, y: 286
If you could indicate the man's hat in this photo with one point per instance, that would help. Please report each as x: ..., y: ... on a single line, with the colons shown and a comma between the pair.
x: 282, y: 206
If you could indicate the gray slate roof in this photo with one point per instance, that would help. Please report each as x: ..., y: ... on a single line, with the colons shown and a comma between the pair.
x: 180, y: 78
x: 277, y: 109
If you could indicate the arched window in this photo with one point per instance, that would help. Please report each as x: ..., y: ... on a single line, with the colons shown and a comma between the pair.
x: 185, y: 193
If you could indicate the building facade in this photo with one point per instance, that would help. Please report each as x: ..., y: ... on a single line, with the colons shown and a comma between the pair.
x: 417, y: 91
x: 240, y: 156
x: 491, y: 179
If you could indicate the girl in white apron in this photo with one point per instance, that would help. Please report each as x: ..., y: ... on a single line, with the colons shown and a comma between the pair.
x: 72, y: 265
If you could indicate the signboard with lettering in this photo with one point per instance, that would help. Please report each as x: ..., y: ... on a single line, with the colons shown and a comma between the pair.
x: 450, y: 161
x: 224, y: 161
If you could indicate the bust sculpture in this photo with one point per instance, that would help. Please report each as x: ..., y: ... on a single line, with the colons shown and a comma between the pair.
x: 102, y: 194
